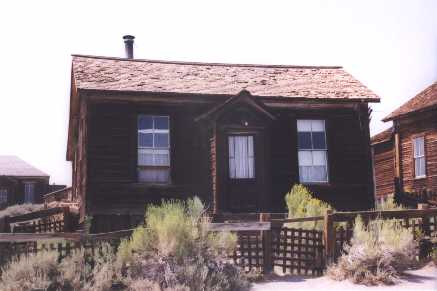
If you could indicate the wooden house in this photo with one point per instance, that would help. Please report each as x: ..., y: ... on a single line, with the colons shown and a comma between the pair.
x: 237, y: 136
x: 20, y: 182
x: 405, y: 155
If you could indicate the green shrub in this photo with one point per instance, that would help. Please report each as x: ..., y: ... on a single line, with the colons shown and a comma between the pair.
x: 177, y: 252
x: 377, y: 254
x: 388, y: 204
x: 301, y: 203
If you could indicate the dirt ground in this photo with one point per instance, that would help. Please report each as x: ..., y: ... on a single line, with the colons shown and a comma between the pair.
x: 423, y: 279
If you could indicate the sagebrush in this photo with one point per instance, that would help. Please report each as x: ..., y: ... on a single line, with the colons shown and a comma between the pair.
x: 301, y: 203
x: 378, y: 253
x: 173, y: 251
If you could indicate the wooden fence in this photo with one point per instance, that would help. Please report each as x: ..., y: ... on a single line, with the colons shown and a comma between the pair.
x: 265, y: 245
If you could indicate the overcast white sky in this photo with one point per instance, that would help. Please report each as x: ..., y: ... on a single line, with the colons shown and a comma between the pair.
x: 390, y: 46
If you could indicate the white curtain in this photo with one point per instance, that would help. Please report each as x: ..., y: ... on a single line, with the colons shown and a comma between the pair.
x: 241, y: 157
x: 419, y: 156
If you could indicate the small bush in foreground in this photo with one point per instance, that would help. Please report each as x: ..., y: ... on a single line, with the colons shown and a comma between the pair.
x: 388, y: 204
x: 175, y: 251
x: 300, y: 203
x: 377, y: 254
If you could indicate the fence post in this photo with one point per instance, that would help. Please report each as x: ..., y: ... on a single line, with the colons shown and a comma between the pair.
x: 329, y: 236
x: 67, y: 219
x: 267, y: 245
x: 425, y: 219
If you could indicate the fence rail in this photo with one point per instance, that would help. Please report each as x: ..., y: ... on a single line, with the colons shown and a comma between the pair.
x: 263, y: 245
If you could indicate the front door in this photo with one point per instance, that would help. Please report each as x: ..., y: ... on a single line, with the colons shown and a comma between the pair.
x: 245, y: 161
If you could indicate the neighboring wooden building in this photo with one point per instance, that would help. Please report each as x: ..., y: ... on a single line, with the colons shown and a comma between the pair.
x: 237, y: 136
x: 405, y: 156
x: 21, y: 182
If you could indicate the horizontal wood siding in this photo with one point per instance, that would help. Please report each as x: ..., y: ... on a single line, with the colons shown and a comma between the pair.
x: 112, y: 159
x: 348, y: 159
x: 426, y: 126
x: 383, y: 160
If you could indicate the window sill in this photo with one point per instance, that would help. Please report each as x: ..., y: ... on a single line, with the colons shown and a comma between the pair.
x: 420, y: 178
x: 152, y: 185
x: 316, y: 183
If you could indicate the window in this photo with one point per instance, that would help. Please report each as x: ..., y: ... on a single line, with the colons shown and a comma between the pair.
x: 29, y: 192
x: 312, y: 151
x: 3, y: 196
x: 419, y: 157
x: 241, y: 157
x: 153, y: 149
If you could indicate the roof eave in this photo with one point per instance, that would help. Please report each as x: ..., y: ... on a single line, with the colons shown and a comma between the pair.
x: 264, y: 97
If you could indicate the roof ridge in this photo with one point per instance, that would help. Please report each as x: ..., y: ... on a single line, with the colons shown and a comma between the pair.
x: 208, y: 64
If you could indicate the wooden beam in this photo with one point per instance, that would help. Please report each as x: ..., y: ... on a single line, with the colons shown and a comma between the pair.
x: 240, y: 226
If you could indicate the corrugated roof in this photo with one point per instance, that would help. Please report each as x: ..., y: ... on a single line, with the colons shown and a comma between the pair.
x: 383, y: 136
x: 104, y: 73
x: 14, y: 166
x: 422, y: 101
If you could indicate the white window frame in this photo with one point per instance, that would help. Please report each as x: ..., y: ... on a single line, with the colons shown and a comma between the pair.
x: 4, y: 193
x: 313, y: 150
x: 417, y: 157
x: 154, y: 150
x: 26, y: 187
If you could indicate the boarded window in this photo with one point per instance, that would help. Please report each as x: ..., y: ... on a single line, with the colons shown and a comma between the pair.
x: 154, y: 149
x: 419, y: 157
x: 241, y: 157
x: 29, y: 192
x: 3, y: 196
x: 312, y: 151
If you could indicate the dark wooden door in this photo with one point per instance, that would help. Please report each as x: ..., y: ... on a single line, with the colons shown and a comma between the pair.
x: 245, y: 165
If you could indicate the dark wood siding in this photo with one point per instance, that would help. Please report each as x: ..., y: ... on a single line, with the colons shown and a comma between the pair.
x: 383, y: 159
x: 111, y: 156
x: 424, y: 125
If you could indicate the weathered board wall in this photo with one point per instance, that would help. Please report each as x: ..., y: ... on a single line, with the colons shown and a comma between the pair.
x: 383, y: 159
x: 419, y: 125
x: 15, y: 187
x: 111, y: 157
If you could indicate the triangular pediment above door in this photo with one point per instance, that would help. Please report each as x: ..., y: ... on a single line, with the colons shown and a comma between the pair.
x: 241, y: 108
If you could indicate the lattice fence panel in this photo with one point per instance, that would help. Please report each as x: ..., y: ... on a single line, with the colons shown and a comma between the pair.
x: 249, y: 252
x: 299, y: 251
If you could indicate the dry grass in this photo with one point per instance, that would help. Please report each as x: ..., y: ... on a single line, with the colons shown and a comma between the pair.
x: 377, y: 254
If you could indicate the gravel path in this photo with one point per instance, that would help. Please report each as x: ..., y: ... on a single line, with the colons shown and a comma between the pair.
x: 423, y: 279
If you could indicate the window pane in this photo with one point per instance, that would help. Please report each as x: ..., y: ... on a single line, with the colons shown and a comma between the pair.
x: 161, y: 122
x: 318, y: 174
x: 146, y: 157
x: 319, y: 141
x: 304, y: 140
x: 304, y: 125
x: 305, y: 174
x: 162, y: 158
x: 241, y: 157
x: 317, y: 125
x: 161, y: 140
x: 419, y: 147
x: 419, y: 167
x: 319, y: 158
x: 145, y: 139
x: 161, y: 175
x: 145, y: 122
x: 305, y: 158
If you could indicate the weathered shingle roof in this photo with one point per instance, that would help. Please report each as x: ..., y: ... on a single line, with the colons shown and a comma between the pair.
x: 424, y: 100
x: 383, y: 136
x: 102, y: 73
x: 14, y: 166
